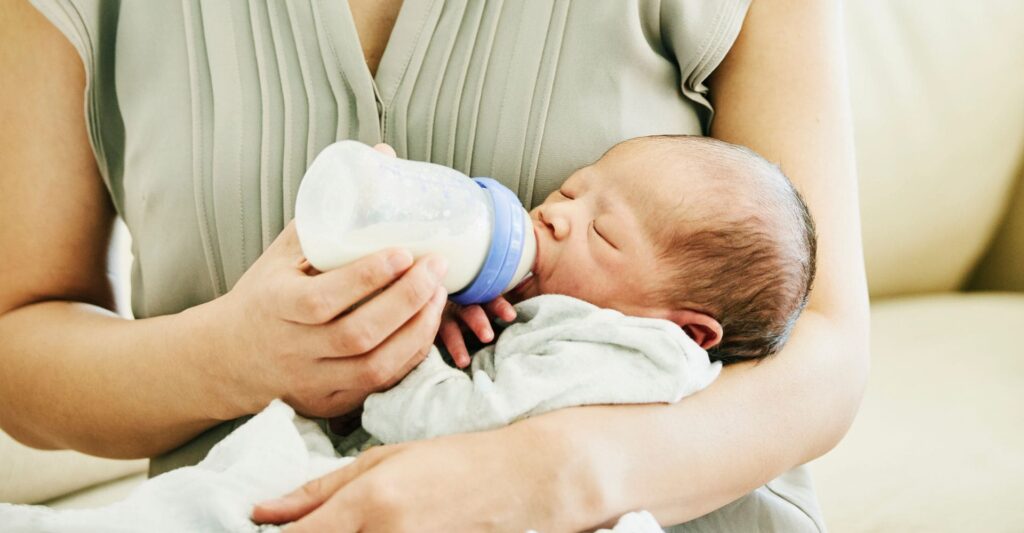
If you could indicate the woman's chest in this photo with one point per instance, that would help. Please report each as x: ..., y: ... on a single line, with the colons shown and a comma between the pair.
x: 373, y: 20
x: 225, y: 104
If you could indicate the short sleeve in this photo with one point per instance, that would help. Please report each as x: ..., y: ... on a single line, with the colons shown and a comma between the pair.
x: 77, y: 20
x: 91, y: 27
x: 698, y: 34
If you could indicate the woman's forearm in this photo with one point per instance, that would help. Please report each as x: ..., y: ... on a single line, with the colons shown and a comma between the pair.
x: 784, y: 94
x: 684, y: 460
x: 72, y: 373
x: 78, y: 376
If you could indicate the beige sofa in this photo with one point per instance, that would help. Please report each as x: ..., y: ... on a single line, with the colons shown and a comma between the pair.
x: 938, y: 93
x: 938, y: 445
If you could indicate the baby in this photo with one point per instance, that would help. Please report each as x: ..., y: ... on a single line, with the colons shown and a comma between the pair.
x: 694, y: 230
x: 666, y: 258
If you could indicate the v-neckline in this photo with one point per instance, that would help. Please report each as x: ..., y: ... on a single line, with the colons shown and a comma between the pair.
x: 398, y: 50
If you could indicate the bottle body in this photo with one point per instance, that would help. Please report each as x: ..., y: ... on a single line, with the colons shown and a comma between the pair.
x: 354, y: 201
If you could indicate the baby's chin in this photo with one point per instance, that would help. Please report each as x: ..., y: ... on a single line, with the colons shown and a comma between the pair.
x: 528, y: 288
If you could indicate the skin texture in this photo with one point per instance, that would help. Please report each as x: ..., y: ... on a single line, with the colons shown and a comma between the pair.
x: 374, y: 20
x: 782, y: 91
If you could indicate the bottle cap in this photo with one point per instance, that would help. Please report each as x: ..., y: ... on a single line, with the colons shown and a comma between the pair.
x: 507, y: 242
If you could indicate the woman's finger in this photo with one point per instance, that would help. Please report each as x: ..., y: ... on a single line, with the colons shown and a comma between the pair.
x: 301, y: 501
x: 320, y: 298
x: 475, y: 317
x: 341, y: 515
x: 308, y: 497
x: 384, y: 365
x: 412, y: 363
x: 368, y: 325
x: 451, y: 336
x: 347, y: 508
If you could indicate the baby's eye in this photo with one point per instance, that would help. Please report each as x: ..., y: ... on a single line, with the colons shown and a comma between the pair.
x: 593, y: 226
x: 560, y: 191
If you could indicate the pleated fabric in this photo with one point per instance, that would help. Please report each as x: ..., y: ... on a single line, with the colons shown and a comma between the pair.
x: 204, y: 114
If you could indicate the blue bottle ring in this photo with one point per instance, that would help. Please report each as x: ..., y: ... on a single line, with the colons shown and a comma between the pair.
x: 507, y: 238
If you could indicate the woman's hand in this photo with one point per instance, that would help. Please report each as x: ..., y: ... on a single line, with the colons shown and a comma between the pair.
x: 311, y: 339
x: 510, y: 479
x: 478, y: 319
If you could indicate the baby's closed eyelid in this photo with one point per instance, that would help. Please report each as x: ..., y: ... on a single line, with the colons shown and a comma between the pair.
x: 593, y: 225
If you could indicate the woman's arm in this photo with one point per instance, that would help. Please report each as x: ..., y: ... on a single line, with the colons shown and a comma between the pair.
x: 76, y: 375
x: 782, y: 91
x: 67, y: 359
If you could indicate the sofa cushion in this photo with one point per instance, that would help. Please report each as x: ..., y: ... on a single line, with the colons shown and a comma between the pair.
x: 939, y: 115
x: 99, y: 495
x: 32, y: 476
x: 1003, y: 266
x: 938, y: 444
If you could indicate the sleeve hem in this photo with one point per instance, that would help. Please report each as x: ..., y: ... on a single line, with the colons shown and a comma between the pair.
x: 68, y: 19
x: 726, y: 28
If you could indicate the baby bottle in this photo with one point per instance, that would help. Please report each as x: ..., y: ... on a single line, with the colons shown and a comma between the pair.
x: 354, y: 201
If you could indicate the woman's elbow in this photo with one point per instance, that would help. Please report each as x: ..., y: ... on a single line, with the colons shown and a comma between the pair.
x: 846, y: 370
x: 24, y: 433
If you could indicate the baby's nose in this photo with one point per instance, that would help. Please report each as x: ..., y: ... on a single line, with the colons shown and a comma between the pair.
x: 556, y: 223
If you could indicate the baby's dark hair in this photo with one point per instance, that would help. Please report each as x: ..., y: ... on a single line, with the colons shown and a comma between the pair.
x: 745, y: 254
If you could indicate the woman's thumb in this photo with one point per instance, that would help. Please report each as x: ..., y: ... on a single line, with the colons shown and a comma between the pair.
x: 299, y: 502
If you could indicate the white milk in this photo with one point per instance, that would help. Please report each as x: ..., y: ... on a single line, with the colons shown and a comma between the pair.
x: 354, y: 201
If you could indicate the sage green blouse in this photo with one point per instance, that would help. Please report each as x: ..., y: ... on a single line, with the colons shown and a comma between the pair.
x: 204, y: 114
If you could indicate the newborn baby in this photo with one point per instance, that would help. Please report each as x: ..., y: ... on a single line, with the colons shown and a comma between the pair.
x: 667, y: 257
x: 694, y: 230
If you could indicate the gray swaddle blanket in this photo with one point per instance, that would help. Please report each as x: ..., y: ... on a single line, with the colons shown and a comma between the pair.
x: 559, y: 352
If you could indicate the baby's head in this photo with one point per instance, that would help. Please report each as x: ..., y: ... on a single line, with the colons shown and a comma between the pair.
x: 691, y: 229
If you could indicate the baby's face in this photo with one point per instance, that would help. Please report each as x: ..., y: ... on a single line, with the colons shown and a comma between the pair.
x: 590, y: 241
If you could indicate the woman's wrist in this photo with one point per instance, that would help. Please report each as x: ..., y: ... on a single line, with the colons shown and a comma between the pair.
x: 581, y: 487
x: 229, y: 391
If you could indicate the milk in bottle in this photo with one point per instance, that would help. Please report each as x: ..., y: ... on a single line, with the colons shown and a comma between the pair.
x: 354, y: 201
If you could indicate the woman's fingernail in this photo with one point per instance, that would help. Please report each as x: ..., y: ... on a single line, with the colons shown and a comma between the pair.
x: 400, y: 260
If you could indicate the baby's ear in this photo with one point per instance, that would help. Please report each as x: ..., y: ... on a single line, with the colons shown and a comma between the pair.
x: 702, y: 328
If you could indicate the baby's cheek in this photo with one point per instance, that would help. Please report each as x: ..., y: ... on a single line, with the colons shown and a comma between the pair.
x: 580, y: 285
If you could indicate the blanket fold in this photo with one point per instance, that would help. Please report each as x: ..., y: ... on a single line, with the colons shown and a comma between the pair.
x: 560, y: 352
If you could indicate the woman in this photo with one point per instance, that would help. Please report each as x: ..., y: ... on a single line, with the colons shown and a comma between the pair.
x: 200, y: 130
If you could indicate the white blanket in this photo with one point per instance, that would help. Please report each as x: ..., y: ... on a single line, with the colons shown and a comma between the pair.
x: 560, y: 352
x: 270, y: 455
